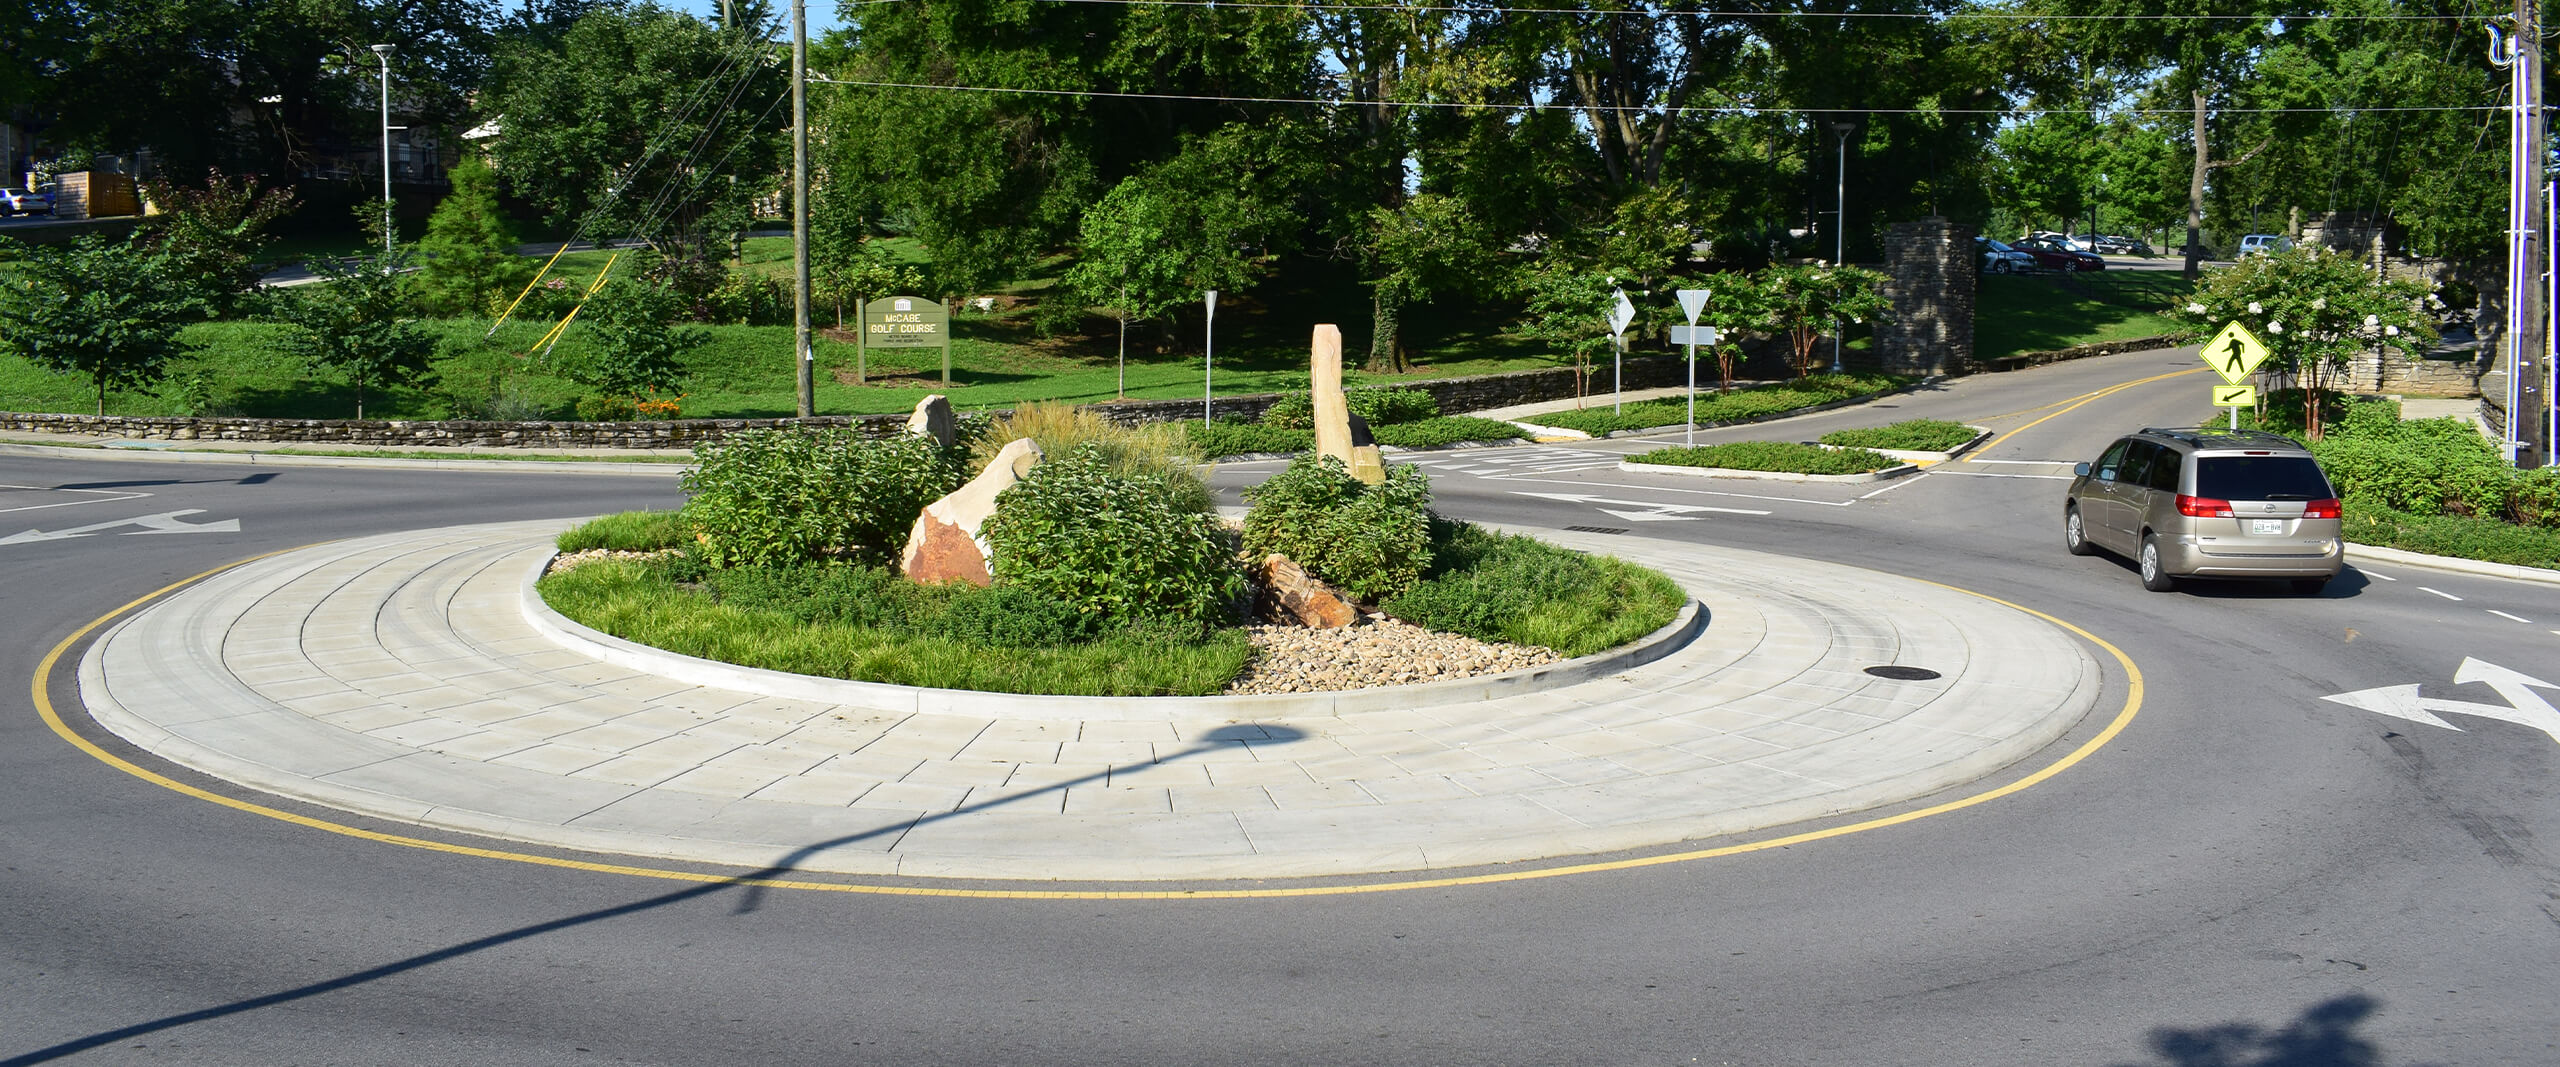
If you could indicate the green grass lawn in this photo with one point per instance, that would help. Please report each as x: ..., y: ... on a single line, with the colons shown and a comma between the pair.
x: 2015, y: 313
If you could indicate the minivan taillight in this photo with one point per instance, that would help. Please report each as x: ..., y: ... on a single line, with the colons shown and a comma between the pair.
x: 2203, y: 507
x: 2321, y: 509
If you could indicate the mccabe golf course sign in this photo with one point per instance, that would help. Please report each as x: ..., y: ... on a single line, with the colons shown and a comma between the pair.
x: 908, y: 322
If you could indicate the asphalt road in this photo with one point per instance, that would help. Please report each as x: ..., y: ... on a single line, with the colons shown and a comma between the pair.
x: 2248, y: 874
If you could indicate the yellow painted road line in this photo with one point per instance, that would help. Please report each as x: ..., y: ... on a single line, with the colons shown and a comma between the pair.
x: 52, y: 719
x: 2074, y: 404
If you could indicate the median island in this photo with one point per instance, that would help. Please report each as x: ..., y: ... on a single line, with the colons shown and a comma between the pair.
x: 1054, y: 552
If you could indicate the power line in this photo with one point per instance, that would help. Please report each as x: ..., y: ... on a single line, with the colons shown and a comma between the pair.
x: 1630, y: 108
x: 2017, y: 16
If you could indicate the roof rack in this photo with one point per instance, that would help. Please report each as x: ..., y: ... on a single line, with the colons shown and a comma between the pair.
x: 2212, y: 435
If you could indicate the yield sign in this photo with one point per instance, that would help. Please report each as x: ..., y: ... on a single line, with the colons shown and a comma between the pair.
x: 2234, y: 352
x: 1693, y: 301
x: 1621, y: 315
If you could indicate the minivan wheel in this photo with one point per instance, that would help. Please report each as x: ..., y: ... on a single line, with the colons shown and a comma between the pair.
x: 2153, y: 578
x: 2075, y: 532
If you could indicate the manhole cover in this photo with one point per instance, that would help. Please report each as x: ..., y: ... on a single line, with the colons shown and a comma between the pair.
x: 1598, y: 529
x: 1903, y: 674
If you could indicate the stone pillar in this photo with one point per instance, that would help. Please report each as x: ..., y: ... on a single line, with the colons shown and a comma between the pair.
x: 1929, y: 278
x: 1336, y: 434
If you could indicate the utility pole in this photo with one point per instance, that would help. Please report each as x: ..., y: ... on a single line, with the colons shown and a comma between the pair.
x: 2529, y: 430
x: 803, y: 360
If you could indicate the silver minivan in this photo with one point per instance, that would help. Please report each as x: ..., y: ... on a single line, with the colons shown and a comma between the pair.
x: 2208, y: 503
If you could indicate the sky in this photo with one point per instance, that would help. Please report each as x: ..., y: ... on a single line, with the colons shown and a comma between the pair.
x: 822, y: 13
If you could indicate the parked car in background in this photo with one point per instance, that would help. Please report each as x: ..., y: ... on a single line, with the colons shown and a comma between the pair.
x: 2118, y: 245
x: 2256, y: 243
x: 16, y: 201
x: 2052, y: 254
x: 1999, y: 258
x: 2082, y: 242
x: 2207, y: 503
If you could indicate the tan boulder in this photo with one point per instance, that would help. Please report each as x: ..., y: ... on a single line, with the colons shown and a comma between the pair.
x: 1290, y: 593
x: 933, y: 418
x: 944, y: 545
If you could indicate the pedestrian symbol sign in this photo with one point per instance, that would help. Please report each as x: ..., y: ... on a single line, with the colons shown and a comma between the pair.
x: 2235, y: 396
x: 2234, y: 352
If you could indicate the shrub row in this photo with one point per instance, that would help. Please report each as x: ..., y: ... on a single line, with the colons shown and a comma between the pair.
x: 1735, y: 406
x: 1786, y: 457
x: 1909, y: 435
x: 1504, y: 587
x: 2432, y: 467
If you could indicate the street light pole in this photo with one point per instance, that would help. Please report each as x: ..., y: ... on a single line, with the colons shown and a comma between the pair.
x: 383, y: 53
x: 1840, y: 229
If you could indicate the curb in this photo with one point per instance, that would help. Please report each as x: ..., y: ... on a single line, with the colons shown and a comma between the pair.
x: 1634, y: 467
x: 905, y: 699
x: 2482, y: 568
x: 1774, y: 416
x: 293, y: 459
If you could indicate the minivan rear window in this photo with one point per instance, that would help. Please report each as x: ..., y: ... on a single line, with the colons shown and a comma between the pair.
x: 2261, y: 478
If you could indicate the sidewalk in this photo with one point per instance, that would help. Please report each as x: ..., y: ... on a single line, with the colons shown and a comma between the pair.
x: 410, y: 677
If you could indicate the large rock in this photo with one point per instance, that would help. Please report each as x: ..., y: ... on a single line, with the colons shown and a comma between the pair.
x: 1339, y: 433
x: 1289, y: 592
x: 944, y: 545
x: 933, y: 418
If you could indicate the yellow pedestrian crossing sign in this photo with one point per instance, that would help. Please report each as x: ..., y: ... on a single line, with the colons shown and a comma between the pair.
x: 2235, y: 396
x: 2234, y: 352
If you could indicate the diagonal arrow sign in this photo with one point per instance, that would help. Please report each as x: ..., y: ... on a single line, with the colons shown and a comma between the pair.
x: 165, y: 522
x: 2524, y: 707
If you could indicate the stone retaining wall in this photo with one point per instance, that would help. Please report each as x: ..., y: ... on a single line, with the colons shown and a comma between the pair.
x: 1455, y: 395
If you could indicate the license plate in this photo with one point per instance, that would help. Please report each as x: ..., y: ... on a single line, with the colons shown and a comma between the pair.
x: 2266, y: 527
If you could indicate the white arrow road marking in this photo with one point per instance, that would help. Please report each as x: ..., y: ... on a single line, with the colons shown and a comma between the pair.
x: 163, y: 523
x: 1646, y: 510
x: 105, y: 496
x: 2524, y: 706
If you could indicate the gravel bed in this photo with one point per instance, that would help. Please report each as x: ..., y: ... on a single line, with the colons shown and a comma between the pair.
x: 1382, y: 651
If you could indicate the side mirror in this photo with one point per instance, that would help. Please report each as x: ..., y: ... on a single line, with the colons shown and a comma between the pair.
x: 2080, y: 469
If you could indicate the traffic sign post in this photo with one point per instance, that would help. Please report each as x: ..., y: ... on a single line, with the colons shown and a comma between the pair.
x: 1208, y: 351
x: 1619, y: 317
x: 1693, y: 301
x: 2234, y: 354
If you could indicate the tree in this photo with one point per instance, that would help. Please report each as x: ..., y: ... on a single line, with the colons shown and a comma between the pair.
x: 1568, y: 306
x: 209, y: 238
x: 1431, y: 244
x: 469, y: 249
x: 632, y: 345
x: 357, y: 318
x: 109, y: 311
x: 641, y: 121
x: 2316, y: 310
x: 1740, y: 305
x: 1805, y: 299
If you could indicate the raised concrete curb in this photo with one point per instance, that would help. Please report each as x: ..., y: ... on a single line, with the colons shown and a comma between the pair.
x: 2483, y: 568
x: 1765, y: 476
x: 397, y: 677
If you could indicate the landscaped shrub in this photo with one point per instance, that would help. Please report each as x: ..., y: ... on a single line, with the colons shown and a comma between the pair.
x: 629, y: 531
x: 1737, y: 406
x: 1371, y: 542
x: 1780, y: 456
x: 1117, y: 546
x: 1501, y: 587
x: 1910, y: 435
x: 1009, y: 616
x: 1446, y: 430
x: 850, y: 594
x: 1156, y: 450
x: 783, y: 496
x: 1239, y: 438
x: 2370, y: 523
x: 1296, y: 409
